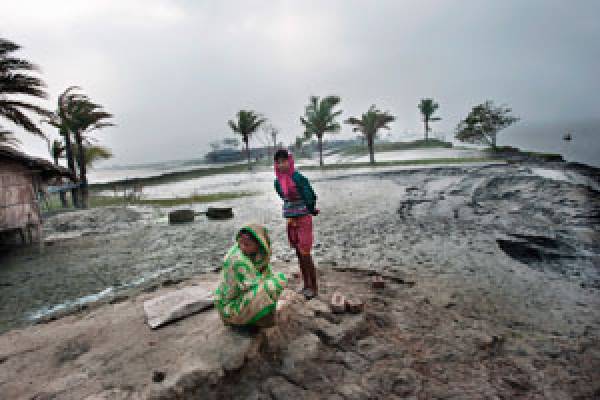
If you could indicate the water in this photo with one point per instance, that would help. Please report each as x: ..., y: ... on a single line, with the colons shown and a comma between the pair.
x: 548, y: 137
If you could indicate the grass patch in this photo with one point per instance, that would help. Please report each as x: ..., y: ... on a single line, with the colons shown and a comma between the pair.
x: 176, y: 176
x: 101, y: 201
x: 394, y: 146
x: 97, y: 200
x: 515, y: 151
x: 399, y: 163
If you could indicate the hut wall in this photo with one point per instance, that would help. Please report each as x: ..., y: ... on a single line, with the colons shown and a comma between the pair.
x: 18, y: 205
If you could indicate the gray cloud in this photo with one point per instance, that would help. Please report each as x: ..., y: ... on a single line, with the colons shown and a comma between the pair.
x: 173, y: 72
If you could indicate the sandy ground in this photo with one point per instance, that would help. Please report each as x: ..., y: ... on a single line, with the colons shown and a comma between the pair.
x: 511, y: 250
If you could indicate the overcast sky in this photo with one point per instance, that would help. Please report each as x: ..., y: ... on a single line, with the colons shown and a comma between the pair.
x: 173, y: 72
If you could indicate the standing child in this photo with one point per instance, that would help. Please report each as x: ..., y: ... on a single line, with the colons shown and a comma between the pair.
x: 249, y: 290
x: 299, y: 201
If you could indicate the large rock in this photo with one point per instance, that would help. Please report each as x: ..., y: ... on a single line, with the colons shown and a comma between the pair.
x: 176, y: 305
x: 181, y: 216
x: 349, y: 328
x: 298, y: 358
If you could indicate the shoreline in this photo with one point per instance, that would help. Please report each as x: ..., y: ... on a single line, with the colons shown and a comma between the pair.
x: 112, y: 247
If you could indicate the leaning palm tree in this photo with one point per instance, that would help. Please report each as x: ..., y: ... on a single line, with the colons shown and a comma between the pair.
x: 17, y: 88
x: 368, y: 124
x: 319, y: 118
x: 86, y: 117
x: 62, y: 120
x: 247, y: 123
x: 7, y: 138
x: 92, y: 154
x: 428, y: 107
x: 57, y: 151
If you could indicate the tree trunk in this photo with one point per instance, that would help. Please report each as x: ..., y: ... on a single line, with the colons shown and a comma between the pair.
x: 71, y: 163
x: 493, y: 136
x: 320, y: 139
x: 247, y: 152
x: 426, y: 129
x: 371, y: 149
x: 83, y: 189
x: 61, y: 194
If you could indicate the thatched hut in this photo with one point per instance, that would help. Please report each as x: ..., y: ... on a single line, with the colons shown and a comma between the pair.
x: 22, y: 179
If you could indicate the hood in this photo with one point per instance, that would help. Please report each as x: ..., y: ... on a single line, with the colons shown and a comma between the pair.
x: 285, y: 178
x: 261, y: 234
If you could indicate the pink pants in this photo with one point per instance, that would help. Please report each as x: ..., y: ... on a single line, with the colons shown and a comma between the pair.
x: 300, y: 233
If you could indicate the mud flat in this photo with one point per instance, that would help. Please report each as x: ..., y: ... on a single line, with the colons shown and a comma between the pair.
x: 509, y: 251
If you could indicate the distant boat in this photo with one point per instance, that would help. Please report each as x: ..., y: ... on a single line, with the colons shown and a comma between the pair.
x: 567, y: 137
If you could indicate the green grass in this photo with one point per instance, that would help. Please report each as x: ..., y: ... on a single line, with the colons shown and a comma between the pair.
x: 393, y: 146
x: 399, y: 163
x: 177, y: 176
x: 104, y: 201
x: 516, y: 151
x: 100, y: 201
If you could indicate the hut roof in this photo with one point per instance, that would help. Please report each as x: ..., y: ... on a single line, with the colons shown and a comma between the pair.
x: 46, y: 168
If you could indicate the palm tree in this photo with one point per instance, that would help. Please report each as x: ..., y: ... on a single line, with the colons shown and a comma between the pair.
x: 16, y: 81
x: 369, y: 123
x: 87, y: 117
x: 92, y: 154
x: 57, y: 151
x: 61, y: 119
x: 428, y: 108
x: 75, y: 118
x: 246, y: 125
x: 7, y: 138
x: 319, y: 118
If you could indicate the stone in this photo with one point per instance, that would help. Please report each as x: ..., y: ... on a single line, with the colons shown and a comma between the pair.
x: 219, y: 213
x: 351, y: 391
x: 158, y: 376
x: 382, y: 380
x: 372, y: 350
x: 349, y: 328
x: 177, y: 304
x: 113, y: 394
x: 354, y: 305
x: 297, y: 357
x: 281, y: 389
x: 338, y: 303
x: 181, y: 216
x: 353, y: 361
x: 318, y: 307
x: 378, y: 282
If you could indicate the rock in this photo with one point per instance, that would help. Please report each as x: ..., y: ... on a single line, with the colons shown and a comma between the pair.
x: 176, y: 305
x: 382, y: 380
x: 354, y: 305
x: 372, y: 350
x: 219, y: 213
x: 158, y: 376
x: 378, y: 282
x: 338, y: 303
x: 332, y: 334
x: 353, y: 361
x: 351, y: 391
x: 296, y: 358
x: 71, y: 350
x: 281, y: 389
x: 319, y: 307
x: 181, y: 216
x: 113, y: 394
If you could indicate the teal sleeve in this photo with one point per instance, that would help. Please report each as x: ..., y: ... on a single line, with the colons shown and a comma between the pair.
x: 306, y: 191
x: 278, y: 189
